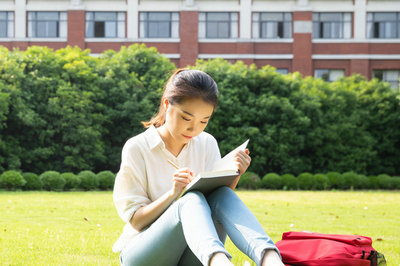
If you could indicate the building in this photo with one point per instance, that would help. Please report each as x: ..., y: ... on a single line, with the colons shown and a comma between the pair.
x: 323, y: 38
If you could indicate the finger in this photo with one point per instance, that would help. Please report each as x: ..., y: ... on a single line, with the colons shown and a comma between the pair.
x: 181, y: 180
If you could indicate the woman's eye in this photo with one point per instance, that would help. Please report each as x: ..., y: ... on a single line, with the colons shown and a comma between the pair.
x: 186, y: 119
x: 203, y: 122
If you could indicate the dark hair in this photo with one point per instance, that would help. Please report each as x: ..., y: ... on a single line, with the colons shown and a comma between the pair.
x: 184, y: 84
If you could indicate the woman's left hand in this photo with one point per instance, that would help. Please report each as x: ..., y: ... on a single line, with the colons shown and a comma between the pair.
x: 243, y: 160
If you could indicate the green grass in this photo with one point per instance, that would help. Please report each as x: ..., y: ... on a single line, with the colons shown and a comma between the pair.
x: 79, y: 228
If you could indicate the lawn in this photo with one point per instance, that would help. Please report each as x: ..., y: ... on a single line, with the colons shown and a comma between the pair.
x: 79, y: 228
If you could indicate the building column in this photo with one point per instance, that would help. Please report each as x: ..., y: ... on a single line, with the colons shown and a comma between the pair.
x: 133, y: 19
x: 245, y: 44
x: 188, y: 34
x: 302, y: 42
x: 20, y: 31
x: 360, y: 19
x: 360, y: 66
x: 76, y: 24
x: 20, y: 19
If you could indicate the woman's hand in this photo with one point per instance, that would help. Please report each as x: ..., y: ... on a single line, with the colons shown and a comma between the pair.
x: 181, y: 179
x: 243, y: 160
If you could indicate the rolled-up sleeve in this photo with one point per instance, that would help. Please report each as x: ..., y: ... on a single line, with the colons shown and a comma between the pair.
x: 131, y: 182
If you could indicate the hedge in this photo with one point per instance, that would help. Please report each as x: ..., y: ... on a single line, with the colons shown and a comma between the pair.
x: 104, y: 180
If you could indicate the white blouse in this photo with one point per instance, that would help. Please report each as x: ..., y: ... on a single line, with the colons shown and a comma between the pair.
x: 145, y: 173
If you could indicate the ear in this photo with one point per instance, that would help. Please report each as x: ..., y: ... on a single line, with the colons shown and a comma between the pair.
x: 165, y: 103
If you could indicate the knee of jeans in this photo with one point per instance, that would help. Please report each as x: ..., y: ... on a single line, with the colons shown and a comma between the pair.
x: 218, y: 196
x: 194, y: 196
x: 221, y: 192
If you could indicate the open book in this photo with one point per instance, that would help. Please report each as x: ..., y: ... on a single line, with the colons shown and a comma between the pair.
x: 223, y: 174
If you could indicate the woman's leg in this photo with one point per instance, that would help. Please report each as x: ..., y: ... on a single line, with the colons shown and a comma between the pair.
x: 240, y: 223
x: 189, y: 259
x: 187, y: 222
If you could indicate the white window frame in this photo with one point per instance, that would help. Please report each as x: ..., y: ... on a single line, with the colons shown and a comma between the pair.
x: 172, y: 25
x: 34, y: 21
x: 391, y: 76
x: 383, y: 25
x: 329, y: 75
x: 205, y: 21
x: 116, y: 26
x: 322, y: 26
x: 273, y: 25
x: 9, y: 24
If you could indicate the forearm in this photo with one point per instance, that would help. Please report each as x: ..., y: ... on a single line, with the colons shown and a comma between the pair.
x: 149, y: 213
x: 234, y: 183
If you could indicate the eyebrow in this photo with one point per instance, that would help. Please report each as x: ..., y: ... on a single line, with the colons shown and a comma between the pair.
x: 186, y: 112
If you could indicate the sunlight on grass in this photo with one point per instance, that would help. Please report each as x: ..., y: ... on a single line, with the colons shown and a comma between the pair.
x: 79, y: 228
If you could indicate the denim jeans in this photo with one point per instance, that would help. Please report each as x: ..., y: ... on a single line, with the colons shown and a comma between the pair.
x: 194, y: 227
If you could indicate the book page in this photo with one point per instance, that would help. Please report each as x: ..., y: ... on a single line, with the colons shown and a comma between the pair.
x: 228, y: 161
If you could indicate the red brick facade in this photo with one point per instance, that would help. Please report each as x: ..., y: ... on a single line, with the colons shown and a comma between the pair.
x: 301, y: 53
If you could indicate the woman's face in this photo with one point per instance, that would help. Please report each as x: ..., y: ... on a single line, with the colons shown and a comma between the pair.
x: 187, y: 119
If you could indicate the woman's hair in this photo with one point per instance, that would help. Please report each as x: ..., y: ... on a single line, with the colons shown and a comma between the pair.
x: 185, y: 84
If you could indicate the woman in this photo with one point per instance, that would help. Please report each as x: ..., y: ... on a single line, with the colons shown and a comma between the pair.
x: 161, y: 228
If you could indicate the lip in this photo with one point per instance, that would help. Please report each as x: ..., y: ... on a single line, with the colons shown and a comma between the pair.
x: 187, y: 137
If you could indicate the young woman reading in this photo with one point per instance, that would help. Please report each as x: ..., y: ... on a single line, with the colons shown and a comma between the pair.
x: 161, y: 228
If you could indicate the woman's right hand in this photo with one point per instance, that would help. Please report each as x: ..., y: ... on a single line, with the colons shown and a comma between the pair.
x: 181, y: 178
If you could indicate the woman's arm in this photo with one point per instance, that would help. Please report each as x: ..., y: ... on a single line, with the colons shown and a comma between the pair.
x: 146, y: 215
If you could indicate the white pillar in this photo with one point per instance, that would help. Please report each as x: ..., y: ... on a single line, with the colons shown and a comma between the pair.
x: 360, y: 19
x: 133, y: 19
x: 302, y: 2
x: 20, y: 19
x: 245, y: 19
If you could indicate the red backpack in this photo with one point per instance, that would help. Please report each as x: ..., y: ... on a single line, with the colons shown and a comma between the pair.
x: 314, y: 249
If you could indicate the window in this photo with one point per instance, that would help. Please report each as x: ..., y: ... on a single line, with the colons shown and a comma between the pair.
x: 43, y: 24
x: 272, y: 25
x: 329, y: 74
x: 105, y: 24
x: 383, y: 25
x: 6, y: 24
x: 218, y: 25
x: 282, y: 71
x: 391, y: 76
x: 332, y: 25
x: 159, y: 25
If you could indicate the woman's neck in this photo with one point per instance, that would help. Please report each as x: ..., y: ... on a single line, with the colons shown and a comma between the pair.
x: 171, y: 145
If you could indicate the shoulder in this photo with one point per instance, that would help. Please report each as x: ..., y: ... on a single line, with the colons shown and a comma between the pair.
x: 207, y: 141
x: 205, y: 138
x: 134, y: 144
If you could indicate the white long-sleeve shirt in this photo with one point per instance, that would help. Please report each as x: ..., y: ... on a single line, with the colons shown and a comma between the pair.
x: 145, y: 173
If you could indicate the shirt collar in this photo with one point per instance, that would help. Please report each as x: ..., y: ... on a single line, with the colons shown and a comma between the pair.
x: 153, y: 138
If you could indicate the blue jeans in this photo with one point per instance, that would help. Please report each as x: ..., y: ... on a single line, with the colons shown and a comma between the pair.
x: 194, y: 227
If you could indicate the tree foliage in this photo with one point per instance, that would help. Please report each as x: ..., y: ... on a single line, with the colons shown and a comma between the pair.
x: 68, y: 111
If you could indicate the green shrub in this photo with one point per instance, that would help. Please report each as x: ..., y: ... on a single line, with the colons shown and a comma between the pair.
x: 352, y: 180
x: 106, y: 179
x: 306, y: 181
x: 12, y: 180
x: 89, y: 180
x: 373, y: 182
x: 272, y: 181
x: 52, y: 180
x: 33, y: 181
x: 249, y: 180
x: 321, y: 182
x: 384, y: 181
x: 290, y: 182
x: 363, y: 182
x: 396, y: 182
x: 72, y: 182
x: 336, y: 180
